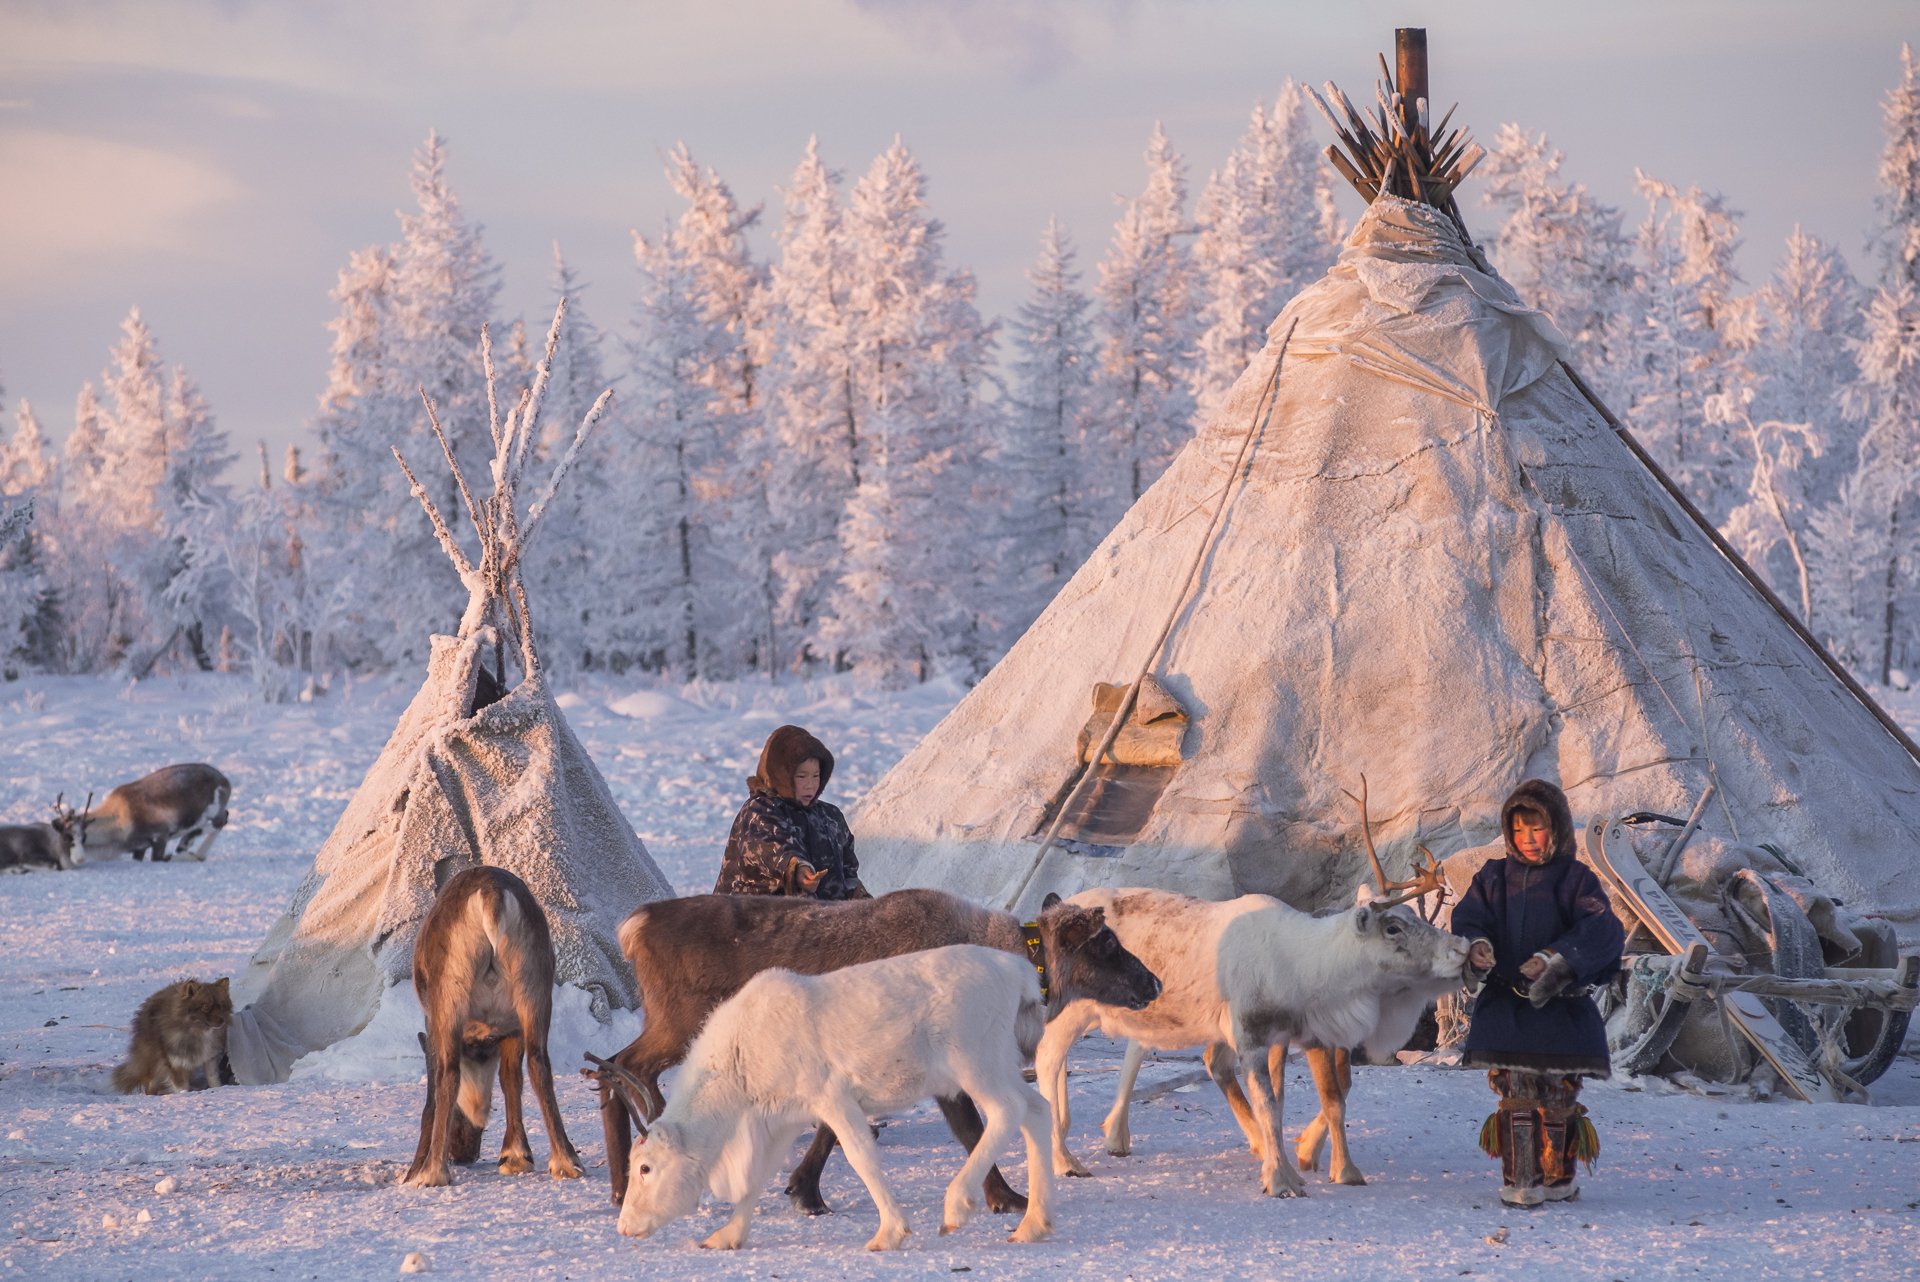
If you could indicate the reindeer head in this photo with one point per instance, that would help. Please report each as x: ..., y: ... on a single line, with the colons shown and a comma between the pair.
x: 663, y: 1179
x: 72, y: 827
x: 1085, y: 958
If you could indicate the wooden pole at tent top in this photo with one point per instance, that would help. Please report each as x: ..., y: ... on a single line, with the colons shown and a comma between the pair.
x: 1410, y: 55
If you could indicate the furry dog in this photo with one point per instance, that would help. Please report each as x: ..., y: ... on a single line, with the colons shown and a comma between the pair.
x: 178, y: 1032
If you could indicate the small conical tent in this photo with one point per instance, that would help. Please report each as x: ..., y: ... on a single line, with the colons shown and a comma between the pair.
x: 1410, y: 546
x: 473, y: 774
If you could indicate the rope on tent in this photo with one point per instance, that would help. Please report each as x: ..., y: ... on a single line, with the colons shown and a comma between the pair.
x: 1256, y: 425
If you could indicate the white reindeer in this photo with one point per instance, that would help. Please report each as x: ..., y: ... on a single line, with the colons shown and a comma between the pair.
x: 1246, y: 979
x: 788, y: 1051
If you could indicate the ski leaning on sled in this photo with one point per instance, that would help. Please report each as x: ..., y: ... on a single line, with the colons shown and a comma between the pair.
x: 1698, y: 970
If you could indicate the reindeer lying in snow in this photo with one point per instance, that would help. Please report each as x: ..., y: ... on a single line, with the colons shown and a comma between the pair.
x: 789, y: 1049
x: 691, y: 954
x: 1247, y: 979
x: 47, y: 845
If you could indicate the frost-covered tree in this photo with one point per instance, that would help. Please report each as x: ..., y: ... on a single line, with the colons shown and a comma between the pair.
x: 1262, y: 237
x: 577, y: 573
x: 1809, y: 317
x: 1564, y: 252
x: 195, y: 504
x: 26, y: 461
x: 811, y: 422
x: 1043, y: 453
x: 693, y: 377
x: 1146, y: 323
x: 919, y: 354
x: 410, y: 319
x: 1868, y: 536
x: 1692, y: 343
x: 1769, y: 525
x: 30, y: 621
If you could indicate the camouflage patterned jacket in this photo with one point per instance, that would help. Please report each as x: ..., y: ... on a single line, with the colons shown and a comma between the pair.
x: 771, y: 831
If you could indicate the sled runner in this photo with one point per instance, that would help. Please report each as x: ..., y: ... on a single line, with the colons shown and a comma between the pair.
x: 1799, y: 1061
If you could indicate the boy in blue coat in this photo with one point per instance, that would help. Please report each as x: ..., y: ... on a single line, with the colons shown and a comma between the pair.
x: 1543, y: 931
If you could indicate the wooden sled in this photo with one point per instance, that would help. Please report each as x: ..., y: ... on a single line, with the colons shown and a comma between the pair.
x: 1671, y: 987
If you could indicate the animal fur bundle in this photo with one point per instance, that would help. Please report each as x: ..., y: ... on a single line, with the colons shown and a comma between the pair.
x: 180, y: 1030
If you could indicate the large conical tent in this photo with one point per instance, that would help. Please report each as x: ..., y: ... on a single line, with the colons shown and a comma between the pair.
x: 1410, y: 546
x: 475, y: 773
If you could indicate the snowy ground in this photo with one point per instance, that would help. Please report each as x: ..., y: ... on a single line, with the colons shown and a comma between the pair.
x: 296, y: 1181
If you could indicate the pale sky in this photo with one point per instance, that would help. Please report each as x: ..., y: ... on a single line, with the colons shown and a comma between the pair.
x: 215, y: 162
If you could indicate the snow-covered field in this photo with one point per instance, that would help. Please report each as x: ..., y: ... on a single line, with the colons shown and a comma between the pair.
x: 297, y: 1181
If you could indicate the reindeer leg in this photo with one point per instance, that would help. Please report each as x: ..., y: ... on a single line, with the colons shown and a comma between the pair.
x: 426, y: 1117
x: 1266, y: 1093
x: 443, y: 1095
x: 842, y: 1112
x: 803, y: 1186
x: 1222, y: 1067
x: 646, y: 1057
x: 964, y: 1191
x: 1119, y: 1138
x: 1333, y: 1079
x: 516, y: 1155
x: 1050, y: 1075
x: 732, y: 1235
x: 563, y: 1162
x: 963, y: 1119
x: 1037, y: 1223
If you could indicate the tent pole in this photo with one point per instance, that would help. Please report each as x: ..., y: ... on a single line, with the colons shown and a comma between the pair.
x: 1740, y: 563
x: 1269, y: 397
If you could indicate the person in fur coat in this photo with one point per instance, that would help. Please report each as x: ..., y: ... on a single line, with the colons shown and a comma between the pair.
x: 785, y: 840
x: 1543, y: 931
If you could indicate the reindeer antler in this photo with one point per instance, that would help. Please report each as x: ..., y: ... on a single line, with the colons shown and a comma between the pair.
x: 1426, y: 878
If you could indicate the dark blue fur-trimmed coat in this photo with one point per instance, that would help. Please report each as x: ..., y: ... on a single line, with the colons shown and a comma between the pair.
x: 1559, y: 906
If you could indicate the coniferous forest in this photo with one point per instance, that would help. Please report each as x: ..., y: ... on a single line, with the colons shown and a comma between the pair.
x: 821, y: 456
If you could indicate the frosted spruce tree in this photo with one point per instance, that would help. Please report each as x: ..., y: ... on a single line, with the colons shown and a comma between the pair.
x: 1692, y: 344
x: 694, y: 374
x: 195, y: 507
x: 30, y: 622
x: 1146, y: 324
x: 1864, y: 539
x: 1564, y: 252
x: 1263, y: 236
x: 581, y: 572
x: 1045, y: 443
x: 410, y: 318
x: 919, y: 353
x: 811, y: 423
x: 130, y: 559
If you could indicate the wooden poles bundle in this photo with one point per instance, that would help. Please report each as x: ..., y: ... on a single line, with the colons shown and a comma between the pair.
x: 1392, y: 150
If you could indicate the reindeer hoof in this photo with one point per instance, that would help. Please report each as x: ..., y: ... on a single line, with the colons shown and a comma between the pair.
x: 433, y: 1177
x: 1004, y: 1201
x: 1350, y: 1176
x: 889, y: 1239
x: 723, y: 1240
x: 808, y: 1203
x: 563, y: 1168
x: 1038, y: 1232
x: 515, y: 1163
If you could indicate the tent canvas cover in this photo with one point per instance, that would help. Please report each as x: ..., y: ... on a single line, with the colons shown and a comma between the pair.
x: 1436, y: 565
x: 473, y: 774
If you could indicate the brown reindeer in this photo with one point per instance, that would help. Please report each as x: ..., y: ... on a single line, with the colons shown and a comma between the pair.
x: 483, y: 967
x: 692, y: 954
x: 143, y: 818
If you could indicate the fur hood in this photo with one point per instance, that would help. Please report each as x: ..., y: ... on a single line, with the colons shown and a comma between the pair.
x: 1538, y: 794
x: 786, y: 748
